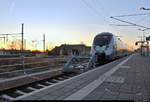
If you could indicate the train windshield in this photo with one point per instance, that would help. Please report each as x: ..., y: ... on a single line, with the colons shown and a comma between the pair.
x: 102, y: 40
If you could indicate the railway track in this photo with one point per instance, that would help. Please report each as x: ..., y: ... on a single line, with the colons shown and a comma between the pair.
x: 18, y: 92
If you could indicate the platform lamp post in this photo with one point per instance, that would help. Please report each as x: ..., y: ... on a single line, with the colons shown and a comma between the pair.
x: 147, y: 38
x: 144, y: 40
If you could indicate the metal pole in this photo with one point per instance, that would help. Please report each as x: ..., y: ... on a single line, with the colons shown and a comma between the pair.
x: 141, y: 50
x: 24, y: 44
x: 4, y: 41
x: 7, y: 37
x: 22, y: 37
x: 22, y: 49
x: 147, y: 48
x: 43, y: 42
x: 143, y: 36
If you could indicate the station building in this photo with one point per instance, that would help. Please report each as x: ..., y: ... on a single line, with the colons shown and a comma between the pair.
x: 67, y: 49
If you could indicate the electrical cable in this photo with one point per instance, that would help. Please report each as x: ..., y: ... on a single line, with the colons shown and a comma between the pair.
x: 133, y: 15
x: 92, y: 8
x: 129, y: 23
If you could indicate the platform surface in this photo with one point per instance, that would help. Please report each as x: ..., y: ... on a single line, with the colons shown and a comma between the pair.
x: 125, y: 79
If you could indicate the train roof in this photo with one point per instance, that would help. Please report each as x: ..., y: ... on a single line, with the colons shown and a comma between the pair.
x: 104, y: 33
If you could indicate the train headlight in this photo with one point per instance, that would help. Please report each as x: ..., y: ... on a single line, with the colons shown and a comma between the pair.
x: 95, y: 48
x: 106, y: 48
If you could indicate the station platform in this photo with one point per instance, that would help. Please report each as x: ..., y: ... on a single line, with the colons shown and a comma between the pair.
x: 127, y: 78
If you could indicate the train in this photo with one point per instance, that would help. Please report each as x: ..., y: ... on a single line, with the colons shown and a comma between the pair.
x: 107, y: 46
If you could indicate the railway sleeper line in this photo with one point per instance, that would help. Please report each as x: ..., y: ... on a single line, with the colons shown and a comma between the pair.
x: 14, y: 93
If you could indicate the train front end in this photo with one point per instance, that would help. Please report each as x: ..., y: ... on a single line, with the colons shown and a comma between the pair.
x: 102, y: 46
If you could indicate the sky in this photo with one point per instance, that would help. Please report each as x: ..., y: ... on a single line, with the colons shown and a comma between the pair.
x: 72, y: 21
